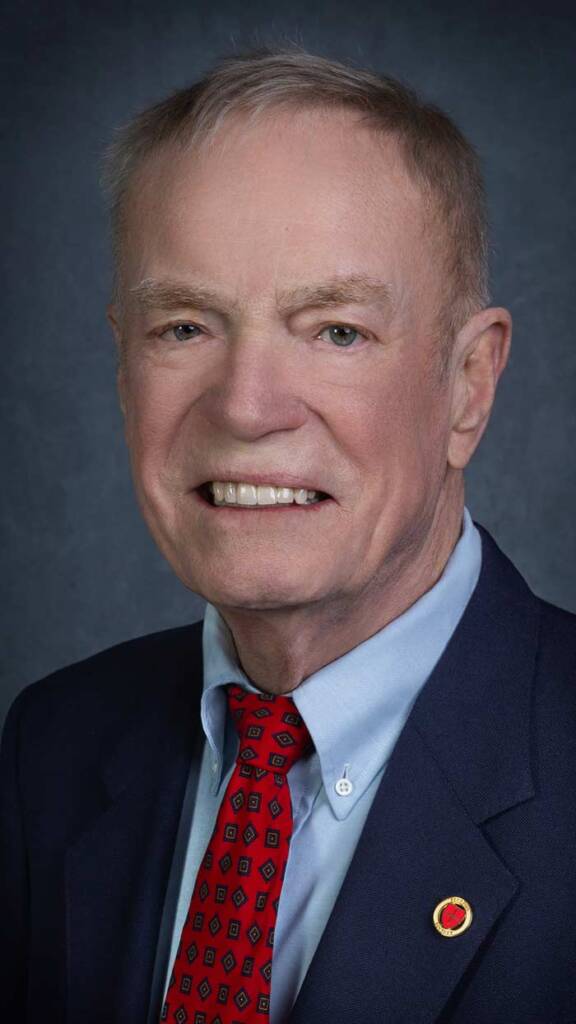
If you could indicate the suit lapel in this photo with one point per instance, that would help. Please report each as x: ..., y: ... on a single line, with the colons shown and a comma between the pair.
x: 117, y: 869
x: 462, y: 757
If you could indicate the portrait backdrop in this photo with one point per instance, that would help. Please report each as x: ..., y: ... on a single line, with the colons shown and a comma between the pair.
x: 79, y: 570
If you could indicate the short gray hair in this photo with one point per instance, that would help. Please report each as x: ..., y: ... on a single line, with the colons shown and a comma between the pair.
x: 437, y: 155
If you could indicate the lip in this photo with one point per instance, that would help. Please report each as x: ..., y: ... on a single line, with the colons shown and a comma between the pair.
x: 258, y: 510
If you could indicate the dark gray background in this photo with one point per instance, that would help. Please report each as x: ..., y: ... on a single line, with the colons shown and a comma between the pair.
x: 80, y: 572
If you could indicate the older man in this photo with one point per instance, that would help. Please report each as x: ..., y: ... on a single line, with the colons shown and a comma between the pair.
x: 347, y: 796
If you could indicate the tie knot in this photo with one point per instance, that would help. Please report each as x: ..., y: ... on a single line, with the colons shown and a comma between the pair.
x: 272, y: 733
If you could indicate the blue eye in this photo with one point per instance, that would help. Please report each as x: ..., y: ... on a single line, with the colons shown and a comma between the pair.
x: 182, y: 332
x: 342, y: 336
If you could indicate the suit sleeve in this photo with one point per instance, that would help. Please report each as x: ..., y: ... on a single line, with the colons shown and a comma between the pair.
x: 13, y: 874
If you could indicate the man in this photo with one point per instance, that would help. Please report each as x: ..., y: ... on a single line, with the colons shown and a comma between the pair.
x: 349, y: 794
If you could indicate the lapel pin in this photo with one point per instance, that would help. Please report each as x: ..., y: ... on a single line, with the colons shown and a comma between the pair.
x: 452, y: 916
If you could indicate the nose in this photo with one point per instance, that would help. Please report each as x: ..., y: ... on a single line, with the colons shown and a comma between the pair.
x: 256, y: 390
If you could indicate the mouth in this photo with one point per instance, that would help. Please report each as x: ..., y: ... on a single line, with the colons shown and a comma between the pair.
x: 204, y: 494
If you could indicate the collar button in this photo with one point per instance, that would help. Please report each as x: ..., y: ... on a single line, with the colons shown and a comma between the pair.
x: 343, y: 787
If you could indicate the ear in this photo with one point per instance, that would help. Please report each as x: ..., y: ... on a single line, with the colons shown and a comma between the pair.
x: 113, y: 317
x: 479, y: 356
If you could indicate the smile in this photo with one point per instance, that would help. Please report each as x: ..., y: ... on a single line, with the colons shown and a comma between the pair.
x: 263, y: 499
x: 252, y: 495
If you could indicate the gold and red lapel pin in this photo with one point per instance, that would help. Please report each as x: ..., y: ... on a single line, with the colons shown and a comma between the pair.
x: 452, y: 916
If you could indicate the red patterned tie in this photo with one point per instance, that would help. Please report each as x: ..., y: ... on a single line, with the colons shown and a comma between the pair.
x: 223, y: 966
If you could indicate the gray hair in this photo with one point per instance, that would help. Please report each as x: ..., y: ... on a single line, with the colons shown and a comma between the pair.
x: 437, y: 156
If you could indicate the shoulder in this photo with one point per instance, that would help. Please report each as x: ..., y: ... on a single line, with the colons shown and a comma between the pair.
x: 556, y: 659
x: 112, y: 685
x: 501, y: 579
x: 558, y: 628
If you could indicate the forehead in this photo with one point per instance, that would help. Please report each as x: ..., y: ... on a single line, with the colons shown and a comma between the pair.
x: 308, y: 190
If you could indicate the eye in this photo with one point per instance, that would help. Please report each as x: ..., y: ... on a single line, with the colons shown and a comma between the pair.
x: 343, y: 336
x: 181, y: 332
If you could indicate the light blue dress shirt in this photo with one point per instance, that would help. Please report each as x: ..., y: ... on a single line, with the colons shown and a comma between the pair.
x: 354, y: 708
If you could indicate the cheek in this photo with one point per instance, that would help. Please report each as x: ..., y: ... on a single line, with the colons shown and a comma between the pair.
x: 402, y: 428
x: 157, y: 402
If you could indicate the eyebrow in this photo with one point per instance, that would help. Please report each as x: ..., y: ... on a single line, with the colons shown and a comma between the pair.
x: 167, y: 294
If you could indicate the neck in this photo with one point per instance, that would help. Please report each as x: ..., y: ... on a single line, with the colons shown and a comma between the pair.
x: 279, y: 648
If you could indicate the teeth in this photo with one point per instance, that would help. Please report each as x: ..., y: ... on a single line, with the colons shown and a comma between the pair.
x: 264, y: 494
x: 246, y: 494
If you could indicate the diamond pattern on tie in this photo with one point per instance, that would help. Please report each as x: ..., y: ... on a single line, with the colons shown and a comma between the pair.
x: 223, y: 968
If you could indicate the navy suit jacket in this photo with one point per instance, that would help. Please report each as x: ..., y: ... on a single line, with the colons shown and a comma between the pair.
x: 478, y: 800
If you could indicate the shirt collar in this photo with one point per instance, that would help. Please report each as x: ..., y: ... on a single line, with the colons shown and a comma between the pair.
x: 370, y: 690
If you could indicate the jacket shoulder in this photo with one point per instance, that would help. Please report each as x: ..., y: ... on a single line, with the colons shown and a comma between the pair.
x: 558, y: 620
x: 556, y: 655
x: 117, y: 681
x: 558, y: 633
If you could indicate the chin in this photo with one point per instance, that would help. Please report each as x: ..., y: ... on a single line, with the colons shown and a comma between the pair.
x: 253, y: 592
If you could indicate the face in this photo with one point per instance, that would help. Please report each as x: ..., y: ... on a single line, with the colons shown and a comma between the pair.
x: 279, y: 299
